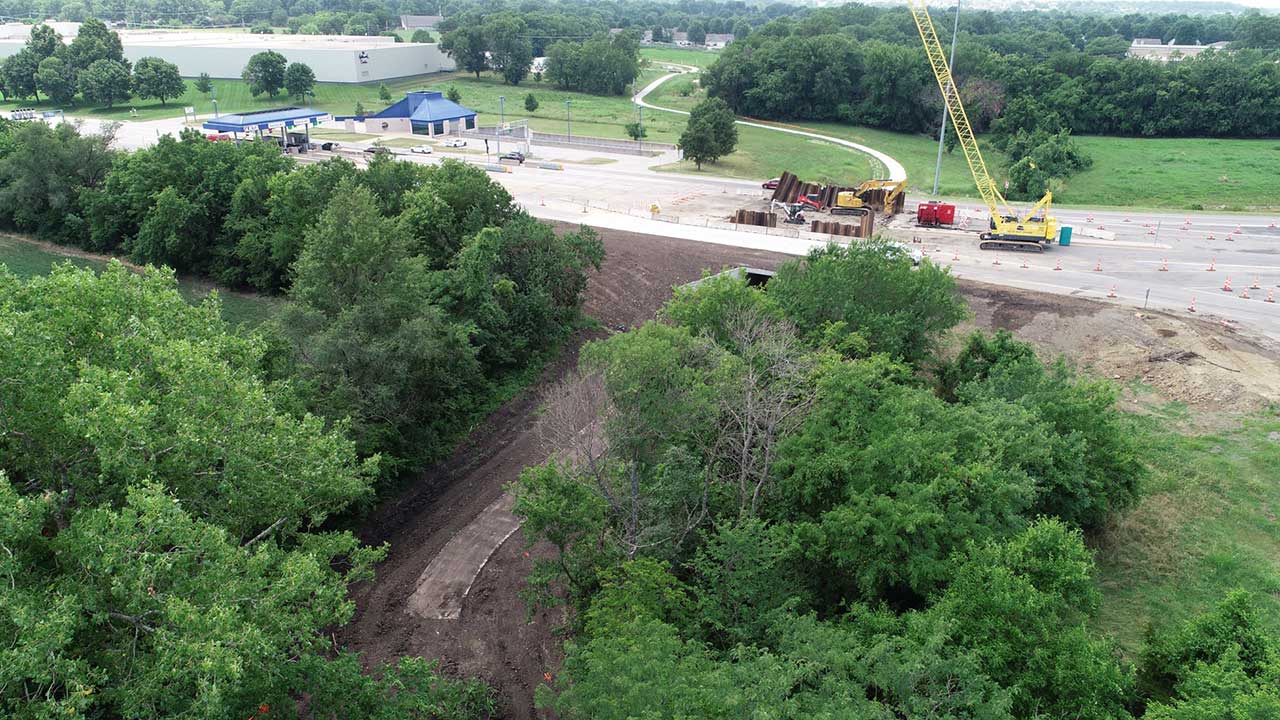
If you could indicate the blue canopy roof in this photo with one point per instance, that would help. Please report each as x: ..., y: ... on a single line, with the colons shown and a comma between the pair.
x: 266, y: 119
x: 427, y: 106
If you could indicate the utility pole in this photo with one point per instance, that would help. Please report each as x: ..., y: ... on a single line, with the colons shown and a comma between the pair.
x: 568, y: 121
x: 942, y: 131
x: 502, y: 120
x: 641, y: 138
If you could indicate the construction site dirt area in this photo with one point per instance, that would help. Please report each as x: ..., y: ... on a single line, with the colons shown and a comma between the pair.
x: 494, y: 637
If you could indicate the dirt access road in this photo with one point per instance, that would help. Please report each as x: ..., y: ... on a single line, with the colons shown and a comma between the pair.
x: 1209, y: 367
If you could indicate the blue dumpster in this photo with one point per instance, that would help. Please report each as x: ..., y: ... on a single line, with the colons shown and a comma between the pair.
x: 1064, y: 235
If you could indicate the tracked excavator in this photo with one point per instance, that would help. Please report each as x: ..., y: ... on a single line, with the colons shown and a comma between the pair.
x: 1008, y: 230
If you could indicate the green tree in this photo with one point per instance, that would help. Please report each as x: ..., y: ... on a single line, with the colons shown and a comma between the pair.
x: 57, y: 79
x: 105, y: 83
x: 696, y: 32
x: 93, y: 42
x: 204, y: 84
x: 359, y: 109
x: 371, y: 343
x: 468, y: 46
x: 265, y: 73
x: 717, y: 116
x: 1022, y: 607
x: 510, y: 53
x: 245, y: 464
x: 421, y: 35
x: 530, y: 103
x: 19, y: 74
x: 299, y: 80
x: 156, y: 78
x: 45, y: 42
x: 636, y: 131
x: 866, y: 297
x: 46, y: 176
x: 384, y: 93
x: 453, y: 94
x: 699, y: 142
x: 741, y: 30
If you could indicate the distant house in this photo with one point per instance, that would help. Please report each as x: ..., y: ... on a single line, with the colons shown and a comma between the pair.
x: 714, y: 41
x: 416, y: 22
x: 1154, y: 49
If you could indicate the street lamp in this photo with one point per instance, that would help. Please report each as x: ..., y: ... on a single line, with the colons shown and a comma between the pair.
x: 568, y: 121
x: 213, y: 93
x: 640, y: 135
x: 502, y: 120
x: 942, y: 131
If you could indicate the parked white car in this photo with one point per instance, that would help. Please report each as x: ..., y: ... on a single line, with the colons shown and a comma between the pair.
x: 421, y: 149
x: 455, y: 142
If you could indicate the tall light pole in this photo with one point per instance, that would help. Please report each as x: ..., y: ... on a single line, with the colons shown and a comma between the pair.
x: 641, y: 138
x: 942, y: 131
x: 214, y: 95
x: 502, y: 119
x: 568, y: 121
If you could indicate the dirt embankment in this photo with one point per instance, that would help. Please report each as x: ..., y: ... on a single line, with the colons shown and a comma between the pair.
x: 495, y: 638
x: 1183, y: 359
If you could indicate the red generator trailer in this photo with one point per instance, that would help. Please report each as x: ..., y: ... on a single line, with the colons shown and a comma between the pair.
x: 934, y: 213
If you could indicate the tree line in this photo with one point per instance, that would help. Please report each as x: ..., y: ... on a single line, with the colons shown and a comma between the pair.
x: 168, y: 483
x: 92, y: 65
x: 506, y: 43
x: 864, y: 65
x: 794, y: 508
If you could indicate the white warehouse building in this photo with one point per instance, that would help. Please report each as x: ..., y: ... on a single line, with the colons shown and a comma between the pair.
x: 333, y: 58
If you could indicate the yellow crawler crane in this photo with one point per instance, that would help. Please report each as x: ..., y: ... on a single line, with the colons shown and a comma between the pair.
x: 1008, y: 230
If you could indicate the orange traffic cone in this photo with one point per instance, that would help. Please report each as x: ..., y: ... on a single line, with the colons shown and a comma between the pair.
x: 1271, y: 296
x: 1102, y: 227
x: 1164, y: 266
x: 1152, y: 231
x: 996, y: 261
x: 1255, y: 282
x: 1024, y: 263
x: 1238, y: 230
x: 1226, y: 286
x: 1057, y: 265
x: 1126, y: 218
x: 1245, y: 294
x: 1211, y: 237
x: 1193, y: 304
x: 1098, y: 267
x: 1211, y: 263
x: 1113, y: 292
x: 956, y: 256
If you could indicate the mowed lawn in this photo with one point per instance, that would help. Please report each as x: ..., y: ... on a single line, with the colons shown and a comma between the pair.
x: 763, y: 154
x: 26, y: 259
x: 684, y: 56
x: 1208, y: 522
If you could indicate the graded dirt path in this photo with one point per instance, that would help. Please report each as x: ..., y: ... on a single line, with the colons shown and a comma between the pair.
x: 493, y: 636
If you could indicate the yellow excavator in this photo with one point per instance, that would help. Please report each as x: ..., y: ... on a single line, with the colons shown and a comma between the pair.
x: 1008, y: 230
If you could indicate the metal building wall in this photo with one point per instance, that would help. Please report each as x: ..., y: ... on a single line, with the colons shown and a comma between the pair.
x: 329, y: 65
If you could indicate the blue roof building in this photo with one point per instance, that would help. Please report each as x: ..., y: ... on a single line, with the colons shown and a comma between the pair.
x: 426, y: 113
x: 255, y: 122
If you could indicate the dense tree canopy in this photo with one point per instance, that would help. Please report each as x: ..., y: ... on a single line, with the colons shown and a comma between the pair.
x: 157, y: 503
x: 787, y: 515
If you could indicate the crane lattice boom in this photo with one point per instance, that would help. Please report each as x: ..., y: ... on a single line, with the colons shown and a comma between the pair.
x: 959, y: 120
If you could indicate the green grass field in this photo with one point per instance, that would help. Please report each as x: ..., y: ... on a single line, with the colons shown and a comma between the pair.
x: 592, y: 115
x: 763, y: 154
x: 684, y: 56
x: 1207, y: 523
x: 26, y: 259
